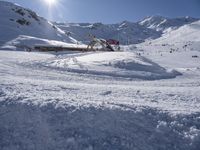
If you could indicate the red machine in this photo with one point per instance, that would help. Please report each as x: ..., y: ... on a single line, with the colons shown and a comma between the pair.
x: 112, y: 42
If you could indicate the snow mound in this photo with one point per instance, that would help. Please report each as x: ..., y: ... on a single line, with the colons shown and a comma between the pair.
x: 24, y: 42
x: 16, y: 21
x: 117, y: 64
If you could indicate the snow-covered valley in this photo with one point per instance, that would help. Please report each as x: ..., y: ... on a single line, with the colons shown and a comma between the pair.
x: 143, y: 97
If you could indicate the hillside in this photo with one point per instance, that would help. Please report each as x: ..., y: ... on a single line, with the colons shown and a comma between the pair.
x: 185, y: 38
x: 17, y: 21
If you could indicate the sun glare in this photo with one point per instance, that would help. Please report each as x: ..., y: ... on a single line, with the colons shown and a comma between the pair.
x: 50, y: 2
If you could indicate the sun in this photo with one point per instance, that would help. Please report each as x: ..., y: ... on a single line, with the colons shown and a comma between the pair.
x: 50, y: 2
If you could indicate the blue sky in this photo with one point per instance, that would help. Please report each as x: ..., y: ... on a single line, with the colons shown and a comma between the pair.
x: 111, y: 11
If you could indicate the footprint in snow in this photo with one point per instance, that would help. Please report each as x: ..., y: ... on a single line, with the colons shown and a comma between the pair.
x: 106, y: 93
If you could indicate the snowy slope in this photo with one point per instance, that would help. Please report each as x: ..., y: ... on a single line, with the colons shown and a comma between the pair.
x: 190, y: 32
x: 165, y: 24
x: 16, y: 21
x: 185, y: 38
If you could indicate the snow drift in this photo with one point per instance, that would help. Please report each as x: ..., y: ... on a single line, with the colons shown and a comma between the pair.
x: 117, y: 64
x: 27, y: 43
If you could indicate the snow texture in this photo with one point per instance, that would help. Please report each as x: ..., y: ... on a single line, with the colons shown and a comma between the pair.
x: 45, y: 107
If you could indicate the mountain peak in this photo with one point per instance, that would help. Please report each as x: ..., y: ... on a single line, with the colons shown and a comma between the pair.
x: 160, y: 23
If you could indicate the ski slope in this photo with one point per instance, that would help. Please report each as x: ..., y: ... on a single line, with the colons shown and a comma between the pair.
x: 185, y: 38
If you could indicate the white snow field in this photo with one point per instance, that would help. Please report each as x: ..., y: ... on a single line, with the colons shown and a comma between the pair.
x: 99, y: 100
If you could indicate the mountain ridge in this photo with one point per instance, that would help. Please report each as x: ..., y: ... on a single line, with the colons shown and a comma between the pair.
x: 126, y: 32
x: 17, y: 21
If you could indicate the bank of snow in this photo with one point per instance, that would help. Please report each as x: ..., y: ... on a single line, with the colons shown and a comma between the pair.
x: 116, y: 64
x: 26, y: 43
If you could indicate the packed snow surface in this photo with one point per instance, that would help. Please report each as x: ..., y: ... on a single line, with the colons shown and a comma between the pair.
x: 99, y: 100
x: 118, y: 64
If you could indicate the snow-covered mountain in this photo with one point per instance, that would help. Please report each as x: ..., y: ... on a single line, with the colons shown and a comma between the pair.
x: 17, y: 21
x: 126, y: 32
x: 185, y: 38
x: 160, y: 23
x: 190, y: 32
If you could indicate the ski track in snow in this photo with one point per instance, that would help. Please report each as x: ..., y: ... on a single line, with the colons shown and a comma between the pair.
x: 66, y: 110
